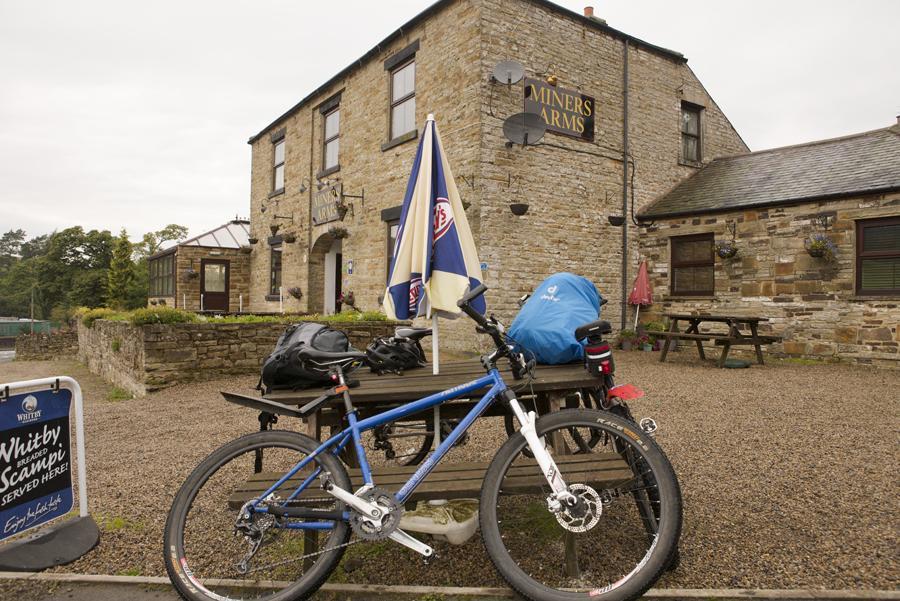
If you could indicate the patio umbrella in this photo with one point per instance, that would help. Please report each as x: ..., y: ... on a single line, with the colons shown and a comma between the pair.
x: 640, y: 291
x: 435, y: 260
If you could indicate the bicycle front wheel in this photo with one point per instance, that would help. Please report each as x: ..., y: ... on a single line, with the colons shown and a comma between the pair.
x: 618, y: 538
x: 216, y: 551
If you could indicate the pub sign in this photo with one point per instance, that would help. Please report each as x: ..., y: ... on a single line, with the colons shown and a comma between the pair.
x: 566, y: 112
x: 327, y: 204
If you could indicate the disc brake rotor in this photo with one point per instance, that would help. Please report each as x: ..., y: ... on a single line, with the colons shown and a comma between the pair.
x: 586, y: 512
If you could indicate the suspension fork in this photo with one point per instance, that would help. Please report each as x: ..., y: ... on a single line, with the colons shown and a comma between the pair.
x: 548, y: 466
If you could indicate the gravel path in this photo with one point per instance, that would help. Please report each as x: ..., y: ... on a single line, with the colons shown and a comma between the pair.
x: 788, y: 473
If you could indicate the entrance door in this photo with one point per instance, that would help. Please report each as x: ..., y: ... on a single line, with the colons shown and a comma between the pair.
x: 214, y: 284
x: 333, y: 265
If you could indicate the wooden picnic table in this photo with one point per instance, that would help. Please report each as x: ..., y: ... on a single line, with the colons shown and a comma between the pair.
x: 376, y: 394
x: 733, y: 337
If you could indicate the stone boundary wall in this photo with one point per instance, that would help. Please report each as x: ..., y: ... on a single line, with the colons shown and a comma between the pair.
x: 43, y: 347
x: 143, y: 359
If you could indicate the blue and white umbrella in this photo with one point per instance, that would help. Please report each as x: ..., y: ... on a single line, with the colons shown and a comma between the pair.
x: 435, y: 260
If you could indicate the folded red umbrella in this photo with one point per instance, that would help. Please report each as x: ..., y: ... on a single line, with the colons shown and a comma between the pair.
x: 640, y: 291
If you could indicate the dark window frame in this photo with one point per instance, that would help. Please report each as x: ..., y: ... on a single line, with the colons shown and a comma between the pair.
x: 693, y: 108
x: 395, y: 103
x: 861, y: 255
x: 673, y: 265
x: 328, y: 169
x: 390, y: 247
x: 161, y: 284
x: 276, y: 250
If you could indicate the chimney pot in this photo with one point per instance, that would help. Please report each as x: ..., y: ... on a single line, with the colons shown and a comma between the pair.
x: 898, y: 119
x: 589, y: 11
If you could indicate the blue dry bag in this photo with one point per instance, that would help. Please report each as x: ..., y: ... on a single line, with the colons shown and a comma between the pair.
x: 546, y: 324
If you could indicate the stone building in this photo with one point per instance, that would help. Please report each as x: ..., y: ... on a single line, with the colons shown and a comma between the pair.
x: 328, y: 175
x: 210, y: 272
x: 771, y: 204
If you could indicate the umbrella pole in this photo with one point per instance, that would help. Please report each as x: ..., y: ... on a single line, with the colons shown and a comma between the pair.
x: 637, y: 312
x: 435, y: 369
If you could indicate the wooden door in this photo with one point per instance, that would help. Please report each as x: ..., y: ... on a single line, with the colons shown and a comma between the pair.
x: 214, y: 276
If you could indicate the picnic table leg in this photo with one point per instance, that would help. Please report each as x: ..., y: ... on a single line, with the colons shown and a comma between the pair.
x: 668, y: 342
x: 554, y: 403
x: 310, y: 545
x: 753, y: 332
x: 725, y: 348
x: 695, y: 329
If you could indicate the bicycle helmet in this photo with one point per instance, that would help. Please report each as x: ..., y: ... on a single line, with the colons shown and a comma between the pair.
x: 392, y: 355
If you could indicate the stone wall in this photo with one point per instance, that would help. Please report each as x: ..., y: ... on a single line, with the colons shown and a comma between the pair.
x: 811, y: 303
x: 570, y: 193
x: 151, y: 357
x: 43, y: 347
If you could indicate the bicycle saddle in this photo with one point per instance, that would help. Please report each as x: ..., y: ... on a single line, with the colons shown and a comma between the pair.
x: 326, y: 357
x: 412, y: 333
x: 595, y: 327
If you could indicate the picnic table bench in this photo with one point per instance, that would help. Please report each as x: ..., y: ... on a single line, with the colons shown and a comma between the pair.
x: 733, y: 337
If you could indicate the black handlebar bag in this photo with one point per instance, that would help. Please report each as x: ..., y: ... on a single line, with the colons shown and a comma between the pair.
x: 285, y: 370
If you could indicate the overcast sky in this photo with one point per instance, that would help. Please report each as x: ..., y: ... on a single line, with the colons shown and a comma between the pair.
x: 136, y: 114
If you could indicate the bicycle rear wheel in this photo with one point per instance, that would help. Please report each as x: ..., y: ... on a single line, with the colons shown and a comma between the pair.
x: 206, y: 540
x: 618, y: 539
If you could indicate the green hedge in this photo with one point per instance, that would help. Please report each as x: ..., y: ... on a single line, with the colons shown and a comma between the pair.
x: 152, y: 315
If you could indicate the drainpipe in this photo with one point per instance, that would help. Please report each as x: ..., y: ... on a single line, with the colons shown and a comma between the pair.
x: 624, y: 182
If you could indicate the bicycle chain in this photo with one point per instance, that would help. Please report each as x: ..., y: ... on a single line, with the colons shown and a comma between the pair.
x: 306, y: 556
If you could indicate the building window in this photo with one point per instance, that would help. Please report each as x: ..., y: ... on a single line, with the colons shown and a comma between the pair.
x: 392, y: 227
x: 403, y: 99
x: 162, y: 276
x: 693, y: 265
x: 275, y: 271
x: 278, y: 168
x: 878, y: 256
x: 690, y: 133
x: 332, y: 140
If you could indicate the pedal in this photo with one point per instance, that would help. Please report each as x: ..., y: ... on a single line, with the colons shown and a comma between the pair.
x: 649, y: 426
x: 416, y: 545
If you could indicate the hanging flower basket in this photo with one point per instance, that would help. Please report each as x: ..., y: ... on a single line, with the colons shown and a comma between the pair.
x: 726, y: 249
x: 191, y: 274
x: 295, y: 292
x: 821, y: 246
x: 338, y: 232
x: 290, y: 238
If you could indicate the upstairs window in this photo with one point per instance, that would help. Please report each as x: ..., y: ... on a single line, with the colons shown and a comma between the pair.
x: 690, y: 133
x: 275, y: 271
x: 403, y: 99
x: 878, y: 256
x: 693, y: 265
x: 332, y: 140
x: 162, y: 276
x: 278, y: 167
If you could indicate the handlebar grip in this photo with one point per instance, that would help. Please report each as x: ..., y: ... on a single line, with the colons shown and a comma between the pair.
x: 470, y: 295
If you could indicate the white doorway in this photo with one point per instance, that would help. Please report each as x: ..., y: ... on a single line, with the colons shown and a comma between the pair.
x: 333, y: 266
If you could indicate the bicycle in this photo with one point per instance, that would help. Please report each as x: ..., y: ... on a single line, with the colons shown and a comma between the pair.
x: 224, y: 540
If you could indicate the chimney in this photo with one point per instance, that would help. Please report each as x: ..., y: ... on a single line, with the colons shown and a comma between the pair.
x: 589, y: 13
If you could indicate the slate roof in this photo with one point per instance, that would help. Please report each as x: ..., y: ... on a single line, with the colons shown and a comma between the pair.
x: 862, y: 163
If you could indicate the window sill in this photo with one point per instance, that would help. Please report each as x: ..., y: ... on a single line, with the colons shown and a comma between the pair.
x: 272, y: 297
x: 327, y: 172
x: 277, y: 192
x: 694, y: 164
x: 689, y: 297
x: 410, y: 135
x: 876, y: 297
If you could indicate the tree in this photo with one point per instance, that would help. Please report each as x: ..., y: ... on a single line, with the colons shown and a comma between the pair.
x: 10, y: 247
x: 121, y: 272
x: 153, y: 241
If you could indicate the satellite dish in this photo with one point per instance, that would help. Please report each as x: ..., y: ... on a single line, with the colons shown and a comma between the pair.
x: 524, y: 129
x: 508, y: 72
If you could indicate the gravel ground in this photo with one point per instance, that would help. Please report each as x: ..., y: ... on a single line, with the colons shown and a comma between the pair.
x: 786, y: 473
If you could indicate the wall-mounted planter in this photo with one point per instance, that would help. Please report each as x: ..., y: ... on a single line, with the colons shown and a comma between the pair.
x: 726, y: 249
x: 518, y: 208
x: 290, y: 238
x: 295, y: 292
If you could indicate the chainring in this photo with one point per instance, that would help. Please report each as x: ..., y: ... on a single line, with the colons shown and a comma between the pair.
x: 590, y: 508
x: 367, y: 528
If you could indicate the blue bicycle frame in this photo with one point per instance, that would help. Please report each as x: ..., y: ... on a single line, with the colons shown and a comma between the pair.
x: 352, y: 432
